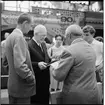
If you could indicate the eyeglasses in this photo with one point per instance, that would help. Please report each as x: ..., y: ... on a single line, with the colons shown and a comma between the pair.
x: 41, y: 34
x: 85, y: 31
x: 59, y: 39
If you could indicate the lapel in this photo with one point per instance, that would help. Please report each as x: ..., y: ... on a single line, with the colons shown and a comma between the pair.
x: 78, y: 40
x: 45, y: 52
x: 37, y: 49
x: 21, y: 34
x: 17, y: 31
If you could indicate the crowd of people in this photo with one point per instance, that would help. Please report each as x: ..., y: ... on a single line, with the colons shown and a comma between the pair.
x: 32, y: 75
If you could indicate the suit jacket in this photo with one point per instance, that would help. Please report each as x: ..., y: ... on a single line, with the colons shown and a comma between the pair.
x: 77, y: 69
x: 42, y: 76
x: 21, y: 81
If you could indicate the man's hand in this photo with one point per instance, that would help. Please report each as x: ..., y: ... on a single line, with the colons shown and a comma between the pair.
x: 42, y: 65
x: 98, y: 68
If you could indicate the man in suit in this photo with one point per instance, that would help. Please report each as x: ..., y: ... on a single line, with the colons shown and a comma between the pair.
x: 21, y: 81
x: 39, y: 58
x: 77, y: 69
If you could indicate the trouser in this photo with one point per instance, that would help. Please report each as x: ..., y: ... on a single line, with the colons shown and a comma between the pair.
x: 18, y: 100
x: 98, y: 77
x: 42, y: 96
x: 79, y: 97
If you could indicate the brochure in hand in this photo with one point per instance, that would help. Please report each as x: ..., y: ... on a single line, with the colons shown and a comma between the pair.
x: 51, y: 62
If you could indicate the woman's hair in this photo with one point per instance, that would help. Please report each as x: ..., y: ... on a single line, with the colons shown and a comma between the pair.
x: 89, y: 28
x: 99, y: 38
x: 58, y: 35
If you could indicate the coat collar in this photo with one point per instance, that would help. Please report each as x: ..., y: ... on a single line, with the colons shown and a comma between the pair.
x: 77, y: 40
x: 17, y: 29
x: 35, y: 41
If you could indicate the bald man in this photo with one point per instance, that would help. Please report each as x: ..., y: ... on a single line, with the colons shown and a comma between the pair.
x: 39, y: 58
x: 77, y: 69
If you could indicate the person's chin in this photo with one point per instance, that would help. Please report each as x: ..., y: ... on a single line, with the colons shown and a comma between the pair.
x: 25, y: 33
x: 42, y: 41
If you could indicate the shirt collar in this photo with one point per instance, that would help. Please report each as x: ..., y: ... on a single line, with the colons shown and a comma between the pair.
x: 19, y: 30
x: 93, y: 41
x: 77, y: 40
x: 36, y: 41
x: 58, y: 47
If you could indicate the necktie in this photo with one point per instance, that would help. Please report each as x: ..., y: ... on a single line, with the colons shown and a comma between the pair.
x: 45, y: 52
x: 41, y: 47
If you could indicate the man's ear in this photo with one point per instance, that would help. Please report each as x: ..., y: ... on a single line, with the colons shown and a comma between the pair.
x: 24, y: 23
x: 70, y: 36
x: 36, y: 33
x: 93, y: 34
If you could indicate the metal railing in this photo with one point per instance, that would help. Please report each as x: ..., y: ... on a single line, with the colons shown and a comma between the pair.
x: 4, y: 75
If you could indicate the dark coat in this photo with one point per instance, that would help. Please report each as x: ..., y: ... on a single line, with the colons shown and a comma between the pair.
x: 42, y: 76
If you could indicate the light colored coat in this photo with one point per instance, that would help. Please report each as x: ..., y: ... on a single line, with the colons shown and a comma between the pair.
x: 77, y: 70
x: 21, y: 81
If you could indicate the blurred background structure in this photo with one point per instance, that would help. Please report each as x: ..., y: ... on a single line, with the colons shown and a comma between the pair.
x: 55, y: 15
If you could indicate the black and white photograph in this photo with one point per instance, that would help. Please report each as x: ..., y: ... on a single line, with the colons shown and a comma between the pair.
x: 52, y: 52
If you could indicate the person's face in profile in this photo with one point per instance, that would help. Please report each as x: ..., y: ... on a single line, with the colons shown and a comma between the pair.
x: 41, y: 37
x: 87, y: 36
x: 26, y: 27
x: 99, y: 39
x: 68, y: 40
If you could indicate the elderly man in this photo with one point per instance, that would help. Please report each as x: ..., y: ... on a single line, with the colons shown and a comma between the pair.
x: 88, y: 35
x: 77, y: 69
x: 21, y: 81
x: 39, y: 58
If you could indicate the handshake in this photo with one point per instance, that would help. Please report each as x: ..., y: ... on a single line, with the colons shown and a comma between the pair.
x: 42, y: 65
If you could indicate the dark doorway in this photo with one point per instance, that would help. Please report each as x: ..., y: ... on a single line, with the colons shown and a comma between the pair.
x: 30, y: 33
x: 99, y: 32
x: 4, y: 31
